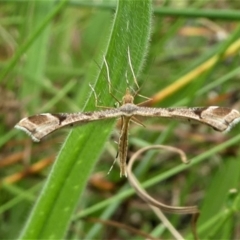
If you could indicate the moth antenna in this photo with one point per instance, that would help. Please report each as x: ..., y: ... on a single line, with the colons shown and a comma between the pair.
x: 109, y: 80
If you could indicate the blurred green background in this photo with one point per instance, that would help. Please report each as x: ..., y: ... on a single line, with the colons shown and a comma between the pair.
x: 51, y: 51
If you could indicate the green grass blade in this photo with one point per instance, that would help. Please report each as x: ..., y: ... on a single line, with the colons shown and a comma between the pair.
x: 67, y: 180
x: 31, y: 39
x: 160, y: 177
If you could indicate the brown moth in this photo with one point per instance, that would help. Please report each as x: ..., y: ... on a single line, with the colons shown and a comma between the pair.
x: 40, y: 125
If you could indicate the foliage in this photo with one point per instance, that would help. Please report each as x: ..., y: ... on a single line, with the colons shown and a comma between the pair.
x: 51, y: 52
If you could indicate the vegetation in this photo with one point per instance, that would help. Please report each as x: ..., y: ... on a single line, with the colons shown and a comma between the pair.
x: 60, y: 188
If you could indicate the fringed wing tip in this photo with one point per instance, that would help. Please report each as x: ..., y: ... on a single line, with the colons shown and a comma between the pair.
x: 27, y: 132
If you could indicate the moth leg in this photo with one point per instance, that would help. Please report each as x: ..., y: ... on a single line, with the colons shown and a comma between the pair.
x: 109, y: 81
x: 137, y: 121
x: 135, y: 79
x: 130, y: 64
x: 96, y: 99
